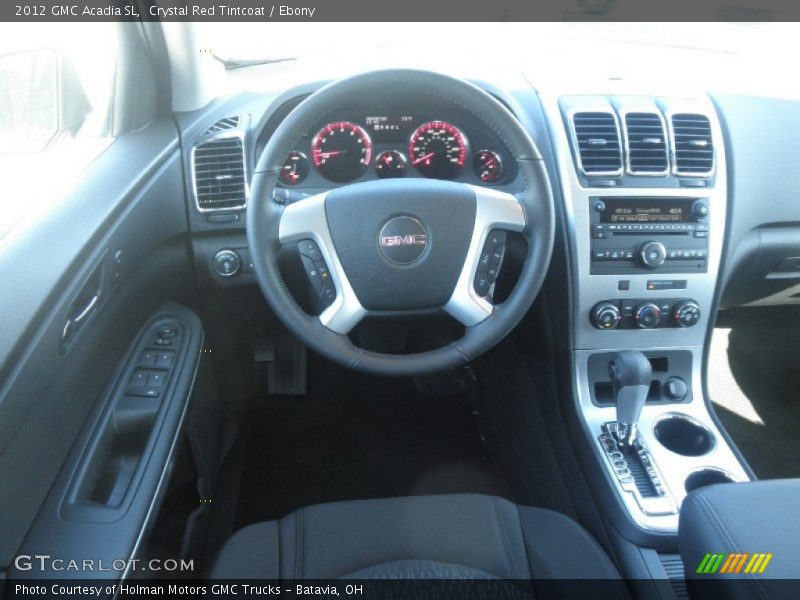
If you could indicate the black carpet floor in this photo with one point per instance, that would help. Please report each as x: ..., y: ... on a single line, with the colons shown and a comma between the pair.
x: 357, y: 436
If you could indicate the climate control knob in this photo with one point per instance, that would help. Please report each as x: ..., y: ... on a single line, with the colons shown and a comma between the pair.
x: 652, y: 254
x: 605, y: 315
x: 647, y: 315
x: 686, y: 313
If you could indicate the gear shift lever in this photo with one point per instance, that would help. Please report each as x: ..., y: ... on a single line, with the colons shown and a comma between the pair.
x: 630, y: 373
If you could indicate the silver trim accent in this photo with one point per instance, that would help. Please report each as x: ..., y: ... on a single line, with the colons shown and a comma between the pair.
x: 663, y: 503
x: 587, y: 290
x: 239, y: 133
x: 493, y: 210
x: 308, y: 220
x: 593, y: 108
x: 672, y: 110
x: 623, y: 115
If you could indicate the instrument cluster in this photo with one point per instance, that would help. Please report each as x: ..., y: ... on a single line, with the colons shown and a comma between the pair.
x: 388, y: 146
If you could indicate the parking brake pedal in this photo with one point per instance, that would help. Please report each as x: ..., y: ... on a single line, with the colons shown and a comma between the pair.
x: 287, y: 369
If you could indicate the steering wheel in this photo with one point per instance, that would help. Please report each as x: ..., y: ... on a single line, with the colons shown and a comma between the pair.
x: 402, y: 245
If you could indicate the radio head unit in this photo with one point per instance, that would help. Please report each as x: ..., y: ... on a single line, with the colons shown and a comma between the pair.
x: 630, y: 235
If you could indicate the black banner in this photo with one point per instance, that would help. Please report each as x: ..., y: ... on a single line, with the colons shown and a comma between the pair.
x: 374, y: 589
x: 400, y: 10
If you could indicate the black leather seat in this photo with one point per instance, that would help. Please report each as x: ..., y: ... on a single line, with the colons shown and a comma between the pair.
x: 425, y: 537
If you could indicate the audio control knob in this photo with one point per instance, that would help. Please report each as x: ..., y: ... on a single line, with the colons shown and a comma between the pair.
x: 227, y: 263
x: 605, y: 315
x: 652, y: 254
x: 700, y: 209
x: 686, y: 313
x: 647, y: 315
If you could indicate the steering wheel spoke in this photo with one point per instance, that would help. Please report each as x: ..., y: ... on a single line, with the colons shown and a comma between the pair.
x: 495, y: 211
x: 306, y: 220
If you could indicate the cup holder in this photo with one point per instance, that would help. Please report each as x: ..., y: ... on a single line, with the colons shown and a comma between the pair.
x: 683, y: 435
x: 706, y: 476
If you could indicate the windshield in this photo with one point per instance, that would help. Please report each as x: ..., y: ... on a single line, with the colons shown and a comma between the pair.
x: 717, y: 56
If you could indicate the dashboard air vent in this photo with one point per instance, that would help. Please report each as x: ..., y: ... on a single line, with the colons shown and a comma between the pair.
x: 223, y: 125
x: 219, y: 174
x: 646, y: 144
x: 597, y: 143
x: 693, y: 147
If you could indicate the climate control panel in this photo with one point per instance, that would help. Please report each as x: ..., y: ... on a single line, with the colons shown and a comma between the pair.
x: 644, y: 314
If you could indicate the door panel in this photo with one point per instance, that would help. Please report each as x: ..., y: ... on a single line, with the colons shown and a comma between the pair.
x: 120, y: 236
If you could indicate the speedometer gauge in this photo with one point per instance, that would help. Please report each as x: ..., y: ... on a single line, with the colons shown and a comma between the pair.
x: 341, y: 151
x: 438, y: 149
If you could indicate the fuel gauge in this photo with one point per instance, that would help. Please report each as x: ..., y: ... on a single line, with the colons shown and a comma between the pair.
x: 295, y: 168
x: 488, y: 166
x: 390, y: 164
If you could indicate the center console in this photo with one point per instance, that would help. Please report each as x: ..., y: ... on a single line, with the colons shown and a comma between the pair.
x: 642, y: 173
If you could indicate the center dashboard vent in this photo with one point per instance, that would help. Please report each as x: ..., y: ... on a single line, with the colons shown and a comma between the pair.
x: 597, y: 143
x: 646, y: 144
x: 693, y: 145
x: 220, y: 177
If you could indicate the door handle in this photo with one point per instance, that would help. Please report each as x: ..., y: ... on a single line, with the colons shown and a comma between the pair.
x: 74, y: 323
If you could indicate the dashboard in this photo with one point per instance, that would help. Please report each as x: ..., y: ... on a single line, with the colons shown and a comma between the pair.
x: 662, y: 204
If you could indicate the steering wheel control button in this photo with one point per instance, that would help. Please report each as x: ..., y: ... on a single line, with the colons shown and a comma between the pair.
x: 317, y: 272
x: 310, y: 249
x: 328, y: 293
x: 653, y: 254
x: 605, y: 315
x: 403, y: 240
x: 482, y: 284
x: 495, y: 238
x: 647, y: 315
x: 490, y: 263
x: 227, y: 263
x: 313, y: 273
x: 686, y: 313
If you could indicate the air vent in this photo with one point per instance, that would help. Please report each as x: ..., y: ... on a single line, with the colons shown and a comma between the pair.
x: 223, y: 125
x: 597, y: 143
x: 219, y: 174
x: 646, y: 144
x: 692, y: 145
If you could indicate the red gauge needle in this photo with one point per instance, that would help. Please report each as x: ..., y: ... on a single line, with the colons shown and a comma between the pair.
x: 331, y: 153
x: 421, y: 158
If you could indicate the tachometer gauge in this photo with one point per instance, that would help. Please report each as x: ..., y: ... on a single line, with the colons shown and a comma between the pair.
x: 341, y: 151
x: 295, y: 168
x: 488, y: 166
x: 438, y: 149
x: 390, y: 164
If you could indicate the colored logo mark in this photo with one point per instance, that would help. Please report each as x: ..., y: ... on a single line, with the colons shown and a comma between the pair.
x: 734, y: 562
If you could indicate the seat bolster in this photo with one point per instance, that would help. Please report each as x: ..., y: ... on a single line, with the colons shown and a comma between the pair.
x: 476, y: 531
x: 250, y: 553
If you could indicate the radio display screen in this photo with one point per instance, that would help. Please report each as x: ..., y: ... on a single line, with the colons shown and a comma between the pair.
x: 647, y: 210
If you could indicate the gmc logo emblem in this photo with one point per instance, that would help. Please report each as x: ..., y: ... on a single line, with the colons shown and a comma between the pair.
x: 404, y: 240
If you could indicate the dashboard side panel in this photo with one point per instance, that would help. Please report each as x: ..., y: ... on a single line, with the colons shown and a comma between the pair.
x: 763, y: 145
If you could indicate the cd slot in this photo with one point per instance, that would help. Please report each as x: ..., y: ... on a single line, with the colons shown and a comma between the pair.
x: 680, y: 233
